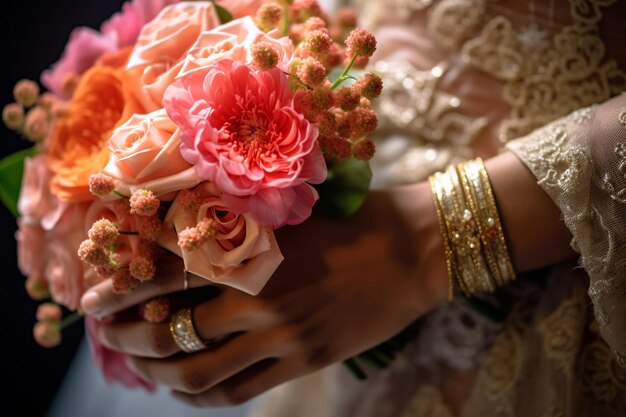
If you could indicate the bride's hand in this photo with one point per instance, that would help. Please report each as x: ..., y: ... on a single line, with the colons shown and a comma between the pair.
x: 344, y: 286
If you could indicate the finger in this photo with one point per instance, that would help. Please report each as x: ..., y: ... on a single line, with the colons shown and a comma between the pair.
x: 154, y: 340
x: 246, y: 385
x: 228, y: 313
x: 139, y: 338
x: 232, y: 311
x: 100, y: 301
x: 202, y: 370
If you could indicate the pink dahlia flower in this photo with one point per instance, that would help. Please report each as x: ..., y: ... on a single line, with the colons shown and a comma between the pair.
x: 241, y: 131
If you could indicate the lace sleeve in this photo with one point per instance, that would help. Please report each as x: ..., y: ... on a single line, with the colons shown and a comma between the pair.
x: 580, y: 161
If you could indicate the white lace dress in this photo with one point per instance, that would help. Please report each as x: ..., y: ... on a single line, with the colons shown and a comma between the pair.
x: 467, y: 78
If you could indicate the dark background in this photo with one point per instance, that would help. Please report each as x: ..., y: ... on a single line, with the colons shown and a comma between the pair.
x: 32, y: 37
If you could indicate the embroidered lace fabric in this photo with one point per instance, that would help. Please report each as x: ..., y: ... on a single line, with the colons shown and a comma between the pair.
x: 463, y: 77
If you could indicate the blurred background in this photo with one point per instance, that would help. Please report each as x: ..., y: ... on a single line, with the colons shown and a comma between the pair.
x: 32, y: 36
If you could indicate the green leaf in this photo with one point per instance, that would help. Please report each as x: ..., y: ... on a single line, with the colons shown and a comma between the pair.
x: 224, y: 15
x: 11, y: 171
x: 345, y: 189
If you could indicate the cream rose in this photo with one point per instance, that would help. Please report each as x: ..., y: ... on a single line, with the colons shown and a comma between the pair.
x: 145, y: 154
x: 233, y: 41
x: 161, y: 46
x: 243, y: 255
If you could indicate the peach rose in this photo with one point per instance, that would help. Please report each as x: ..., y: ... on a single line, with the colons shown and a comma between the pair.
x: 233, y: 41
x: 145, y: 154
x: 241, y: 8
x: 63, y: 269
x: 161, y: 46
x: 30, y: 239
x: 36, y: 203
x: 77, y: 146
x: 243, y: 255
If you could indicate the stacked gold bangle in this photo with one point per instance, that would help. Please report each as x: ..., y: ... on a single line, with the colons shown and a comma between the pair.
x: 476, y: 253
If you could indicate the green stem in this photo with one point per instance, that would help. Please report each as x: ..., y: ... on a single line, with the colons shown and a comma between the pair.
x: 129, y: 233
x: 284, y: 25
x: 120, y: 194
x: 69, y: 320
x: 374, y: 359
x: 344, y: 75
x: 298, y: 80
x: 355, y: 369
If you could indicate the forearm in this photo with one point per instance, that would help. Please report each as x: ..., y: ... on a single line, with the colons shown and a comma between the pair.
x: 534, y: 232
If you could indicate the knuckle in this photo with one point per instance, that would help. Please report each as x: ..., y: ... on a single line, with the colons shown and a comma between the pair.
x: 108, y: 336
x: 236, y: 395
x: 192, y: 381
x: 319, y: 357
x: 160, y: 342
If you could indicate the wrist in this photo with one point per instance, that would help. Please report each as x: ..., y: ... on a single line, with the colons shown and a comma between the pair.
x: 416, y: 205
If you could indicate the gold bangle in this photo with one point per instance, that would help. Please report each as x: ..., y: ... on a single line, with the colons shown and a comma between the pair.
x: 476, y: 199
x: 433, y: 180
x: 476, y: 254
x: 493, y: 221
x: 468, y: 245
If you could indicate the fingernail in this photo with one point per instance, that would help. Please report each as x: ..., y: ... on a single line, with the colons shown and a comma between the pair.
x: 91, y: 303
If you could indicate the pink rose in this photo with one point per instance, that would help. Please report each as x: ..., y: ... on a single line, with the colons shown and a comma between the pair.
x: 86, y: 45
x: 111, y: 363
x: 243, y: 254
x: 233, y: 41
x: 145, y: 154
x: 124, y: 27
x: 63, y: 269
x: 81, y: 52
x: 36, y: 202
x: 30, y: 239
x: 240, y: 8
x: 258, y: 150
x: 161, y: 46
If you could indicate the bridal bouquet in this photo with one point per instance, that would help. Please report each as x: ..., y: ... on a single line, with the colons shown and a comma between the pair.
x: 196, y: 128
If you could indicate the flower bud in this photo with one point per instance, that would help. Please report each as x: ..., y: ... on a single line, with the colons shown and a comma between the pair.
x: 311, y: 72
x: 93, y: 254
x: 363, y: 149
x: 193, y: 237
x: 369, y: 85
x: 144, y: 203
x: 361, y: 43
x: 268, y: 16
x: 49, y: 312
x: 101, y: 185
x: 26, y: 93
x: 46, y: 334
x: 103, y: 232
x: 142, y: 268
x: 37, y: 288
x: 37, y: 124
x: 264, y: 55
x: 13, y: 116
x: 156, y: 310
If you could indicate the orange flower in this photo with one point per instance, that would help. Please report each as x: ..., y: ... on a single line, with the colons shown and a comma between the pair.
x: 78, y: 144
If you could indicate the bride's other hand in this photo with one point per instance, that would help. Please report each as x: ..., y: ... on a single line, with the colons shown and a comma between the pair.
x: 344, y: 286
